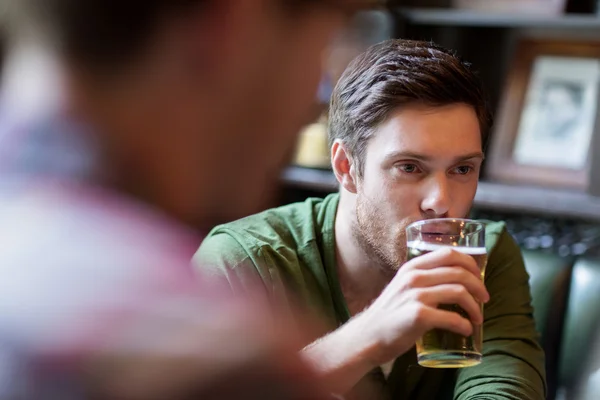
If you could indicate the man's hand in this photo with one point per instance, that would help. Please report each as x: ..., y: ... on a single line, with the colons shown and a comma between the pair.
x: 408, y: 307
x: 405, y: 310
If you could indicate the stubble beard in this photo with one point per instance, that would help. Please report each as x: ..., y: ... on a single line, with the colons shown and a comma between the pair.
x: 369, y: 233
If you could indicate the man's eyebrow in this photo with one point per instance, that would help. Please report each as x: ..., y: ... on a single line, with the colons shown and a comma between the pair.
x: 478, y: 154
x: 407, y: 154
x: 425, y: 158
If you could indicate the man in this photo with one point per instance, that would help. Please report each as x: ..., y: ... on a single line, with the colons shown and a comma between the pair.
x: 408, y: 122
x: 123, y: 124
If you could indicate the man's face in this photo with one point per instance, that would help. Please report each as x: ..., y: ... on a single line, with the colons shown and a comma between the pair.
x: 421, y: 163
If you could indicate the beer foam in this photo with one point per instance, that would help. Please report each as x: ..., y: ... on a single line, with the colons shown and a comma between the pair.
x: 424, y: 246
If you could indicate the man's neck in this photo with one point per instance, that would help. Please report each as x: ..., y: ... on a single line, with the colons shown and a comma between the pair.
x: 360, y: 278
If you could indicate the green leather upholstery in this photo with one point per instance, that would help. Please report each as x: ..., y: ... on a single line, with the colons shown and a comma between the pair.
x: 549, y: 277
x: 590, y: 386
x: 566, y: 299
x: 581, y: 325
x: 547, y: 274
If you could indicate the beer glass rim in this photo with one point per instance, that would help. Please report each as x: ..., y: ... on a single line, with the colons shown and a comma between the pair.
x: 422, y: 222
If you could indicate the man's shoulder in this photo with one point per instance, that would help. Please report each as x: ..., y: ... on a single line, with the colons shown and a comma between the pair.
x: 501, y: 246
x: 279, y: 240
x: 89, y: 252
x: 288, y: 226
x: 89, y: 221
x: 497, y: 236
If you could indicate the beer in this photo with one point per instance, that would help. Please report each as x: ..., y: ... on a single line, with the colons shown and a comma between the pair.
x: 439, y: 348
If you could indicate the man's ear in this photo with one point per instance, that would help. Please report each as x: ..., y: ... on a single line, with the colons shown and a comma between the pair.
x: 343, y: 166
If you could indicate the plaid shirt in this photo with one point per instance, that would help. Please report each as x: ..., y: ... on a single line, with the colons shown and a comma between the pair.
x: 79, y: 263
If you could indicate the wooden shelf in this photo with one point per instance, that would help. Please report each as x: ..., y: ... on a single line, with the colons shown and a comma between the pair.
x: 538, y: 200
x: 311, y: 179
x: 416, y: 16
x: 496, y: 196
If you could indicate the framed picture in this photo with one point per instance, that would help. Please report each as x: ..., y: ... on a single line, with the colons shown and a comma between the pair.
x: 530, y: 7
x: 548, y: 118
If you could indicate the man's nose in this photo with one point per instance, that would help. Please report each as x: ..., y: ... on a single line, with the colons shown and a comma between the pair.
x: 436, y: 199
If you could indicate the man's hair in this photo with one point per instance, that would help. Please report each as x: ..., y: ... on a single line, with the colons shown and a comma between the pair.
x: 101, y: 34
x: 396, y: 74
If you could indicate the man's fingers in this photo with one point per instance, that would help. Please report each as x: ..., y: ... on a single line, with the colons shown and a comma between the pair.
x: 449, y: 275
x: 449, y: 295
x: 434, y: 318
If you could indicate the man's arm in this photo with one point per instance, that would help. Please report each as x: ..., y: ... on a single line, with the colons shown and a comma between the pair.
x: 406, y: 309
x: 340, y: 358
x: 513, y: 361
x: 343, y: 358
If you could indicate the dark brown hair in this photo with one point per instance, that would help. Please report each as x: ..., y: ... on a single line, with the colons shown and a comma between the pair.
x: 105, y: 34
x: 98, y: 34
x: 394, y: 74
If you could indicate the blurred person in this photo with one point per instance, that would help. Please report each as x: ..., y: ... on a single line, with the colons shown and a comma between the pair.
x: 123, y: 124
x: 407, y: 127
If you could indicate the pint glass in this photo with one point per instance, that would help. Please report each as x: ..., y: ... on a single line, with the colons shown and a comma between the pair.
x: 439, y: 348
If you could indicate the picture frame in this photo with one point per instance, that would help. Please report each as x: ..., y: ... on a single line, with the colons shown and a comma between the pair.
x: 546, y: 127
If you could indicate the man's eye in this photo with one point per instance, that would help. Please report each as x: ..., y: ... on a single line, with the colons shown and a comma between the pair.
x: 463, y: 169
x: 408, y: 168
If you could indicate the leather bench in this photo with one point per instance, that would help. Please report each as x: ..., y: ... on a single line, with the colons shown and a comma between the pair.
x: 566, y: 299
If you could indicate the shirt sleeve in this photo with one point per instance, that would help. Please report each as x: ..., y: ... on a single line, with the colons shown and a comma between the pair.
x: 513, y: 361
x: 250, y: 270
x: 222, y: 256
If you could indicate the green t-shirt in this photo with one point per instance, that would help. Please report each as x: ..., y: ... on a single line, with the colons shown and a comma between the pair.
x: 290, y: 251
